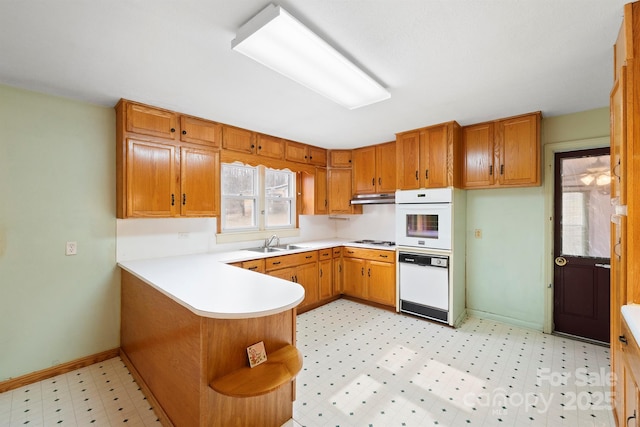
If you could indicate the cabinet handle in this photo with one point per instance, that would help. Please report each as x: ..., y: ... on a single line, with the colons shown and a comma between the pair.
x: 416, y: 175
x: 362, y: 272
x: 259, y: 147
x: 350, y: 252
x: 369, y: 273
x: 320, y: 272
x: 309, y: 256
x: 632, y: 417
x: 184, y: 199
x: 426, y: 174
x: 340, y: 268
x: 501, y: 169
x: 326, y: 254
x: 173, y: 200
x: 379, y: 181
x: 255, y: 267
x: 173, y: 130
x: 296, y: 278
x: 615, y: 170
x: 253, y: 146
x: 490, y: 170
x: 623, y: 339
x: 373, y: 181
x: 383, y: 256
x: 275, y: 263
x: 184, y: 132
x: 325, y: 203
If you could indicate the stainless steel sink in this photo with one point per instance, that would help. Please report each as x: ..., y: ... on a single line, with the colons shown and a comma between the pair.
x: 264, y: 250
x: 287, y: 247
x: 278, y: 248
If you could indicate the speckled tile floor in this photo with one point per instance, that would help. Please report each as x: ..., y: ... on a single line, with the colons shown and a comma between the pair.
x: 369, y: 367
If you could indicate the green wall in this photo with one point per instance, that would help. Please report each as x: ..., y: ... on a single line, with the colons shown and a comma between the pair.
x: 57, y: 182
x: 506, y: 266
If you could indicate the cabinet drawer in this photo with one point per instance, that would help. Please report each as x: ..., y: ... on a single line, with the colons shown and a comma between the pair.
x: 369, y: 254
x: 630, y: 350
x: 284, y: 261
x: 337, y: 252
x: 254, y: 265
x: 325, y: 254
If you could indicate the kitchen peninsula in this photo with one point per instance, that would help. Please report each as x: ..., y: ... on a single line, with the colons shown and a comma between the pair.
x: 186, y: 324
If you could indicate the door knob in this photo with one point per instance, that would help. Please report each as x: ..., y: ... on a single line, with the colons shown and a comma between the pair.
x: 561, y: 261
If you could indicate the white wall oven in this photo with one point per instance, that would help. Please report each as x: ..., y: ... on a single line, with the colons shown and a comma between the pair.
x: 423, y: 218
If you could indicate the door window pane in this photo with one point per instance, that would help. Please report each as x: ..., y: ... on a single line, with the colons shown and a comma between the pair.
x: 586, y: 206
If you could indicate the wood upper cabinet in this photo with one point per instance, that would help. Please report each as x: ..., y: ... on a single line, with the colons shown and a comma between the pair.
x: 151, y: 176
x: 503, y: 153
x: 340, y: 158
x: 199, y: 182
x: 146, y: 120
x: 198, y: 131
x: 477, y: 146
x: 339, y: 184
x: 159, y: 174
x: 270, y: 146
x: 303, y: 153
x: 374, y: 169
x: 315, y: 199
x: 427, y: 157
x: 237, y: 139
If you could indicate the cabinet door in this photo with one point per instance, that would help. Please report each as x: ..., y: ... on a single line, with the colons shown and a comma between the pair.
x: 519, y: 151
x: 325, y: 278
x: 381, y: 277
x: 408, y: 161
x: 337, y: 275
x: 199, y: 181
x: 269, y: 146
x: 152, y: 179
x: 364, y: 170
x: 317, y: 156
x: 618, y: 100
x: 434, y: 159
x: 386, y: 167
x: 321, y: 199
x: 296, y: 152
x: 198, y: 131
x: 477, y: 153
x: 340, y: 158
x: 340, y: 191
x: 353, y: 277
x: 307, y: 276
x: 151, y: 121
x: 237, y: 139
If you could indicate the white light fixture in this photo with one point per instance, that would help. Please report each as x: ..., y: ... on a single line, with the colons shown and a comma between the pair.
x: 279, y: 41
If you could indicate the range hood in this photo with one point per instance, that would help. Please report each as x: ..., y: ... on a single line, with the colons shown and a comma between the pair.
x: 374, y: 199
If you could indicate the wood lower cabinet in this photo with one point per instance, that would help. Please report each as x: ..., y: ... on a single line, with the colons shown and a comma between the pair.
x: 502, y: 153
x: 428, y: 157
x: 337, y: 270
x: 370, y: 274
x: 301, y: 268
x: 325, y: 274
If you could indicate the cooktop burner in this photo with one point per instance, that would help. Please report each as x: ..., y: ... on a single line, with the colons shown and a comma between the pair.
x: 375, y: 242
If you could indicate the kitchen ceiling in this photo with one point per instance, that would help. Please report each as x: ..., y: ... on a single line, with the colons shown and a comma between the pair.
x: 464, y: 60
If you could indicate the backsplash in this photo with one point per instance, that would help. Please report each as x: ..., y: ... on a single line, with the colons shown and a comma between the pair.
x: 377, y: 222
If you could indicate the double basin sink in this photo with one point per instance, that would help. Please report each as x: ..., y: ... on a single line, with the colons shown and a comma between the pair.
x: 277, y: 248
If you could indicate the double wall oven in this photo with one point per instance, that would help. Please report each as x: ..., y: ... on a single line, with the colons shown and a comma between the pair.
x: 424, y: 235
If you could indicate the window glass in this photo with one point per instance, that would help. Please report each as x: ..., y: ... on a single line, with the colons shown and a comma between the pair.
x: 279, y: 198
x: 239, y: 197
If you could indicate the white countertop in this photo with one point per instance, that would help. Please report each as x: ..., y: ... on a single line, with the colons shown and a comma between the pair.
x: 631, y: 314
x: 206, y: 285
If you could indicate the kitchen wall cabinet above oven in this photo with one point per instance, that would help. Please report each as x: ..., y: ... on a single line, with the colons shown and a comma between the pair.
x: 374, y: 169
x: 428, y: 157
x: 167, y: 164
x: 502, y: 153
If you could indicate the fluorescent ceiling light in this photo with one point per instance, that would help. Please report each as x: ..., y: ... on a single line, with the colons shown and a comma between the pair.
x: 279, y: 41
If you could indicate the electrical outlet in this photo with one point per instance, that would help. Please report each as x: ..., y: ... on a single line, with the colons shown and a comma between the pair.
x: 478, y: 233
x: 71, y: 248
x: 183, y: 235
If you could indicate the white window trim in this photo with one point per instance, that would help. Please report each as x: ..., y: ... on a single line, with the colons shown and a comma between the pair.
x: 259, y: 232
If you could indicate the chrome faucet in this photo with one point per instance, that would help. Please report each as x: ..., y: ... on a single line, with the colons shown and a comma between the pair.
x: 268, y: 241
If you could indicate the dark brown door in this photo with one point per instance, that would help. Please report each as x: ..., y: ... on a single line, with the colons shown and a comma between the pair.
x: 581, y: 243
